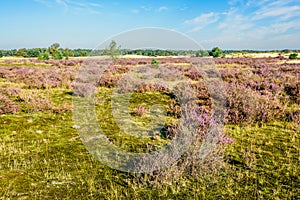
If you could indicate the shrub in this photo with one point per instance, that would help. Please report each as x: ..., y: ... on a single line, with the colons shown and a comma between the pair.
x: 33, y: 101
x: 245, y: 105
x: 293, y: 56
x: 216, y: 52
x: 154, y: 62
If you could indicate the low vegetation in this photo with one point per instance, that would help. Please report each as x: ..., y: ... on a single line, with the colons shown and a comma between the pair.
x: 43, y: 157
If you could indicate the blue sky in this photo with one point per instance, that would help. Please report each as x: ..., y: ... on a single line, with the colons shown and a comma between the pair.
x: 230, y: 24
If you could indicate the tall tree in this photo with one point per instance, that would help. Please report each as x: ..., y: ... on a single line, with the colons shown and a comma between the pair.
x: 53, y: 48
x: 113, y: 50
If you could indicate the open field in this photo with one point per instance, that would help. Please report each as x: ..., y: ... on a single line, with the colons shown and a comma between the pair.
x: 43, y: 157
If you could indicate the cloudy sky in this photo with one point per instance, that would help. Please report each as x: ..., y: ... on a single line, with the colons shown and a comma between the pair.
x: 233, y: 24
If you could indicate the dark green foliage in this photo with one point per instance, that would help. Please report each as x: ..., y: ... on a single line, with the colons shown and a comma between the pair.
x: 1, y: 55
x: 293, y: 56
x: 216, y: 52
x: 286, y: 51
x: 35, y: 52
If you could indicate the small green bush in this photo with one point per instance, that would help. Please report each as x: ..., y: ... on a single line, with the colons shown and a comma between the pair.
x: 293, y: 56
x: 154, y: 62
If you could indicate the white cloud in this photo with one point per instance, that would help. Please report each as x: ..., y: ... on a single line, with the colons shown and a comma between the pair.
x: 146, y: 8
x: 252, y: 24
x: 283, y: 12
x: 285, y: 26
x: 95, y: 5
x: 74, y: 6
x: 197, y: 28
x: 201, y: 21
x: 162, y: 8
x: 204, y: 19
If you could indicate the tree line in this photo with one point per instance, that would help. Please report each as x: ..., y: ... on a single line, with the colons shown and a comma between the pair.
x: 55, y: 51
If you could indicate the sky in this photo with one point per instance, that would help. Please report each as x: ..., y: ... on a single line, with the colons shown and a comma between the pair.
x: 228, y: 24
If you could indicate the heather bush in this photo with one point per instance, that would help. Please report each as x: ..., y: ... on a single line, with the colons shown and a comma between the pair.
x: 7, y: 106
x: 84, y: 89
x: 38, y: 77
x: 202, y: 158
x: 293, y: 90
x: 245, y: 105
x: 10, y: 91
x: 140, y: 111
x: 108, y: 80
x: 33, y: 101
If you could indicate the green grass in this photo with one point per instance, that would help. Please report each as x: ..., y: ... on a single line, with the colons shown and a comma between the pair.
x: 43, y: 157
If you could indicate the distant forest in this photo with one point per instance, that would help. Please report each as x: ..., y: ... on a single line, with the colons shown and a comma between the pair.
x: 59, y: 53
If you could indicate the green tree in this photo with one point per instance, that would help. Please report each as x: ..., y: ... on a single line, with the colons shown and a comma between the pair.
x: 53, y: 49
x: 33, y: 53
x: 1, y: 54
x: 216, y: 52
x: 21, y: 52
x: 113, y: 50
